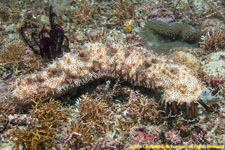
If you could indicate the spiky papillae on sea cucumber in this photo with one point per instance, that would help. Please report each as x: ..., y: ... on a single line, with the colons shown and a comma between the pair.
x: 96, y: 60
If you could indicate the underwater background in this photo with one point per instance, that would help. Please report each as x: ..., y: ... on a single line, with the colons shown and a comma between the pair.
x: 109, y: 113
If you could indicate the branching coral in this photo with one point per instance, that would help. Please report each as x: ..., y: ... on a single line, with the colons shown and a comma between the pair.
x: 97, y: 118
x: 85, y: 12
x: 221, y: 90
x: 93, y: 120
x: 214, y: 11
x: 33, y: 139
x: 48, y: 114
x: 13, y: 53
x: 141, y: 109
x: 213, y: 40
x: 217, y: 84
x: 103, y: 14
x: 79, y: 137
x: 3, y: 116
x: 11, y: 13
x: 123, y: 9
x: 14, y: 56
x: 41, y: 133
x: 4, y: 15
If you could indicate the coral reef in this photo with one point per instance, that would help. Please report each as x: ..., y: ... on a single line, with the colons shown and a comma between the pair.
x: 13, y: 53
x: 213, y: 66
x: 141, y: 135
x: 93, y: 120
x: 3, y: 116
x: 161, y: 14
x: 221, y: 89
x: 108, y: 14
x: 173, y: 137
x: 212, y: 24
x: 141, y: 109
x: 158, y: 33
x: 40, y: 134
x: 123, y: 10
x: 85, y: 12
x: 96, y: 60
x: 60, y: 6
x: 214, y: 11
x: 111, y: 91
x: 213, y: 40
x: 9, y: 14
x: 98, y: 116
x: 16, y: 57
x: 4, y: 15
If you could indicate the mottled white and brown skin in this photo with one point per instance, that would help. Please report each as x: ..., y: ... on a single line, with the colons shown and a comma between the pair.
x: 97, y: 60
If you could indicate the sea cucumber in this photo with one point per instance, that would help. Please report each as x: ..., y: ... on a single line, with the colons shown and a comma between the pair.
x: 162, y: 36
x: 96, y: 60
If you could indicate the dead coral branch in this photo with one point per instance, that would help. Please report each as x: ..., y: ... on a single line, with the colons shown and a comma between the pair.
x: 16, y: 57
x: 214, y: 11
x: 123, y: 10
x: 213, y: 40
x: 41, y: 133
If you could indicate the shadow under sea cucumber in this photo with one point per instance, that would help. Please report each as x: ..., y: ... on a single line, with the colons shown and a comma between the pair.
x: 96, y: 60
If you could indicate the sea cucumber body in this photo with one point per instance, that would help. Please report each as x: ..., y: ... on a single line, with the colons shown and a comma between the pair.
x: 97, y: 60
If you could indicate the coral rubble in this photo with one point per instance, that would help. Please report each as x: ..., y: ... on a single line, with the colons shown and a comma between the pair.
x: 161, y: 14
x: 214, y: 65
x: 115, y: 93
